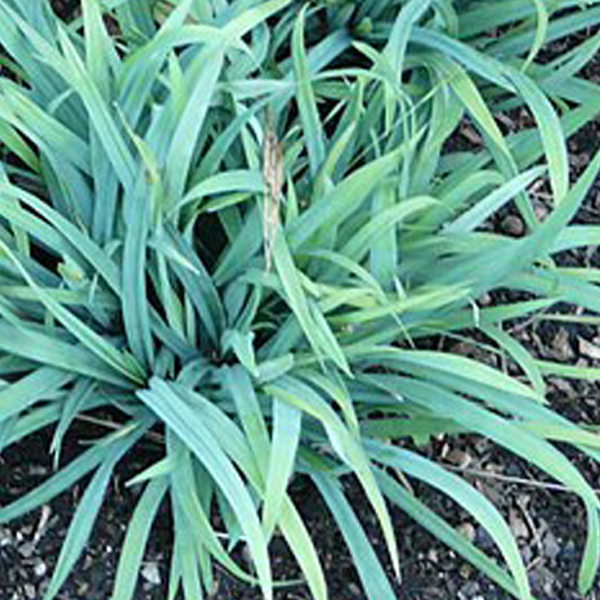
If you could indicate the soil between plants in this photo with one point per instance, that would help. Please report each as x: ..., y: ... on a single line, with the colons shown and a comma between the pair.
x: 549, y: 525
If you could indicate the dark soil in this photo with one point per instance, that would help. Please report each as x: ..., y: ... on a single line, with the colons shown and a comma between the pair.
x: 548, y: 523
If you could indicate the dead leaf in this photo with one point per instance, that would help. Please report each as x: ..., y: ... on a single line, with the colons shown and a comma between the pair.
x: 588, y: 349
x: 272, y: 172
x: 518, y: 525
x: 561, y: 349
x: 459, y: 458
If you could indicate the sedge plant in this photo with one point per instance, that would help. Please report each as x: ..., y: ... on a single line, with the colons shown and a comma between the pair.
x: 233, y: 226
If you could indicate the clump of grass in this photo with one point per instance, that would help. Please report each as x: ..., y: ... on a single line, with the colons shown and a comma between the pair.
x: 257, y: 288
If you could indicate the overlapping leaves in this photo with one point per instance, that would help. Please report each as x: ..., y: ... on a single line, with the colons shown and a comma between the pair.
x: 133, y: 279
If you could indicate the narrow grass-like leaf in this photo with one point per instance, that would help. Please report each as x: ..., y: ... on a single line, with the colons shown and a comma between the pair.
x: 296, y: 298
x: 443, y: 531
x: 239, y: 386
x: 372, y: 575
x: 184, y: 139
x: 466, y: 496
x: 89, y: 338
x: 223, y: 183
x: 287, y: 421
x: 189, y: 427
x: 45, y: 349
x: 550, y: 130
x: 344, y: 199
x: 540, y: 32
x: 345, y: 445
x: 476, y: 215
x: 104, y: 123
x: 520, y: 355
x: 89, y: 505
x: 138, y: 531
x: 136, y: 315
x: 186, y: 495
x: 41, y: 384
x: 456, y: 366
x: 314, y: 135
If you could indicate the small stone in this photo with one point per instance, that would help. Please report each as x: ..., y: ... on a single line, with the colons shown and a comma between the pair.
x: 466, y: 571
x: 467, y: 530
x: 469, y: 591
x: 459, y: 458
x: 485, y: 300
x: 26, y: 550
x: 38, y: 470
x: 588, y: 349
x: 29, y: 591
x: 544, y: 578
x: 518, y: 525
x: 484, y: 539
x: 569, y: 552
x: 513, y: 225
x: 151, y: 573
x: 82, y: 589
x: 6, y: 538
x: 551, y: 546
x: 561, y: 347
x: 40, y: 568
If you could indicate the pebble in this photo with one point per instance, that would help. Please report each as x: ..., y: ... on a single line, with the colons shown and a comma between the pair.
x: 38, y: 470
x: 83, y: 589
x: 26, y: 549
x: 151, y: 573
x: 6, y: 538
x: 40, y: 568
x: 513, y: 225
x: 569, y: 550
x: 469, y: 591
x: 484, y: 539
x: 518, y: 525
x: 466, y: 571
x: 467, y: 530
x: 551, y: 546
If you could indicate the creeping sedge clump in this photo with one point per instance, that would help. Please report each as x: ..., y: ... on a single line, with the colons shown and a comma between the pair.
x: 258, y: 293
